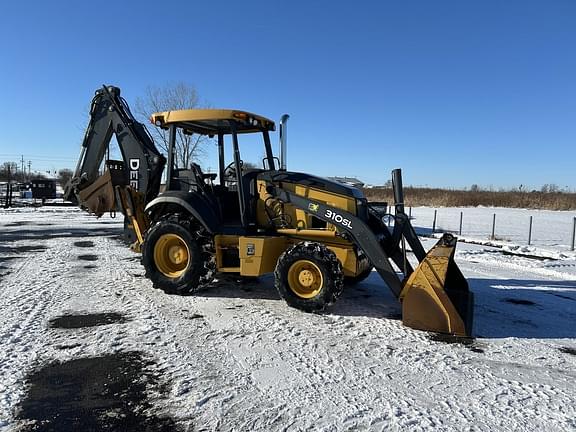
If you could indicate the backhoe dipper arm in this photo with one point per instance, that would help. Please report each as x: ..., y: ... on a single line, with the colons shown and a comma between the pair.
x: 109, y: 114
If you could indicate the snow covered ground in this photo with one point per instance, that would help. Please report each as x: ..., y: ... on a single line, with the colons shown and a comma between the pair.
x: 236, y: 357
x: 551, y: 230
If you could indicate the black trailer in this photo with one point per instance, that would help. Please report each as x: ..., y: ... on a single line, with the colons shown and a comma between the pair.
x: 43, y: 189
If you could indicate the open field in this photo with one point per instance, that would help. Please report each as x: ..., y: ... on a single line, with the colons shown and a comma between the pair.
x: 432, y: 197
x: 87, y: 343
x: 551, y: 232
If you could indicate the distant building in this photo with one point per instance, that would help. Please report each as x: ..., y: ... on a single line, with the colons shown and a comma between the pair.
x: 348, y: 181
x: 43, y: 188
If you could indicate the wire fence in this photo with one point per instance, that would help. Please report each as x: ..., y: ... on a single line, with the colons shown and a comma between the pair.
x: 523, y: 227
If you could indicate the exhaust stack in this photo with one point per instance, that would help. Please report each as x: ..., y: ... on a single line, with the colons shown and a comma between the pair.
x: 283, y: 144
x: 398, y: 190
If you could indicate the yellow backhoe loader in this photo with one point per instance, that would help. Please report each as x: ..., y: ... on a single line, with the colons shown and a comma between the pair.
x: 312, y: 233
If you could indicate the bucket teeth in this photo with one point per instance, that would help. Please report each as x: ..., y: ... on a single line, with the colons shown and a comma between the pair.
x: 436, y: 296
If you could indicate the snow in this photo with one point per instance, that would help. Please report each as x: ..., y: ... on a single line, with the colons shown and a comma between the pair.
x: 236, y: 357
x: 550, y: 229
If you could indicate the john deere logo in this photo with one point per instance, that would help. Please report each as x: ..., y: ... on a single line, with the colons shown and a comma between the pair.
x: 313, y: 207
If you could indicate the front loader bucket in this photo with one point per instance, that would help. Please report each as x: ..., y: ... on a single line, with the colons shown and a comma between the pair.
x: 436, y: 296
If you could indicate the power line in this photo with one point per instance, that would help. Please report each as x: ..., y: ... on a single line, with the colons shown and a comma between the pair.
x: 37, y: 157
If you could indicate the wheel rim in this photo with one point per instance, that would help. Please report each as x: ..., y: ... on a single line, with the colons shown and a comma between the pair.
x: 171, y: 255
x: 305, y: 279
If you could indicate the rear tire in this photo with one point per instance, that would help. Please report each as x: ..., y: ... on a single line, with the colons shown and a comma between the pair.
x: 309, y: 277
x: 175, y: 257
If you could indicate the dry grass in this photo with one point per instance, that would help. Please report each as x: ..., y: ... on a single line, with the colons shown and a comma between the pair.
x: 458, y: 198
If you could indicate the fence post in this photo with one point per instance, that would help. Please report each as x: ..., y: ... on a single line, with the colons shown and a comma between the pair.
x: 434, y: 222
x: 573, y: 233
x: 460, y: 230
x: 410, y: 212
x: 8, y: 202
x: 530, y: 232
x: 493, y: 226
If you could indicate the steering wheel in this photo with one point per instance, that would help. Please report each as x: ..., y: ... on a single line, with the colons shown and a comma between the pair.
x: 230, y: 170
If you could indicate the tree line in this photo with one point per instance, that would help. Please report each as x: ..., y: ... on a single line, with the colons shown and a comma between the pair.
x: 549, y: 198
x: 9, y: 172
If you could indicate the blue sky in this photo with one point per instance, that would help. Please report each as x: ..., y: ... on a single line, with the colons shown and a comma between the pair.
x: 455, y: 93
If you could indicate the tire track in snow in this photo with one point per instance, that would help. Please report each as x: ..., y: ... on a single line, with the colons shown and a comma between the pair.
x: 26, y: 302
x: 173, y: 336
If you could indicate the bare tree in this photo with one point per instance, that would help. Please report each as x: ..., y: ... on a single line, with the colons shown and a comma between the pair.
x: 9, y: 171
x: 189, y: 148
x: 550, y: 188
x: 64, y: 175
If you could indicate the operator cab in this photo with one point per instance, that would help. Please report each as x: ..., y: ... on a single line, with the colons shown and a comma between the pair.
x: 236, y: 188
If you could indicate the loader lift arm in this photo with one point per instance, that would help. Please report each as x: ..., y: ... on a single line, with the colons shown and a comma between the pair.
x: 435, y: 296
x: 141, y: 166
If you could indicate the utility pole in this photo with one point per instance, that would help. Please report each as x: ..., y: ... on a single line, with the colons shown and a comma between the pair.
x: 8, y: 202
x: 23, y: 170
x: 29, y: 170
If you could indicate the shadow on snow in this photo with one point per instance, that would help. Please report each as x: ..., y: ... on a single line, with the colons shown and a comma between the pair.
x: 524, y: 308
x: 54, y: 233
x: 370, y: 298
x: 503, y: 307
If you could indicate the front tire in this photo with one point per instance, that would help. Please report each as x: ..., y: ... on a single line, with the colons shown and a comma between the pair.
x: 174, y: 257
x: 354, y: 280
x: 309, y: 277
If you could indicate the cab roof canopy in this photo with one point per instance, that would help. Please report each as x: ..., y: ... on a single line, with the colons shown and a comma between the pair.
x: 212, y: 121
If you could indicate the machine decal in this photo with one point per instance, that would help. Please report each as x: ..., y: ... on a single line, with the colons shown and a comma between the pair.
x: 338, y: 218
x: 313, y: 207
x: 134, y: 167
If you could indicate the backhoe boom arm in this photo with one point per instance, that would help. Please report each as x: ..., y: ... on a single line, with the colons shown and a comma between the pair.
x: 143, y: 163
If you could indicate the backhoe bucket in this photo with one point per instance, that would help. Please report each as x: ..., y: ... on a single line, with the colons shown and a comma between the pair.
x: 436, y: 296
x: 98, y: 197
